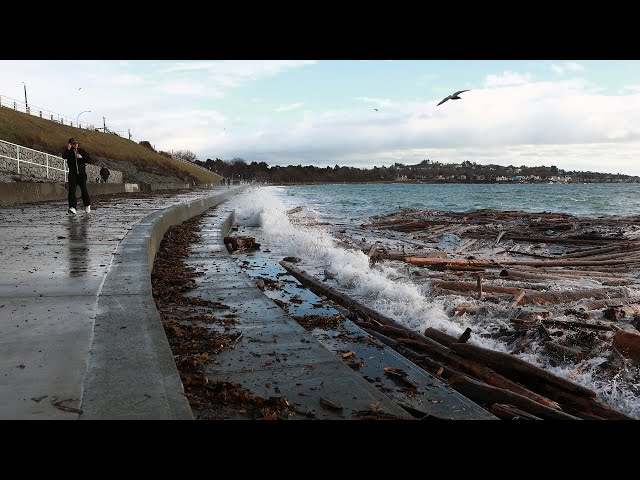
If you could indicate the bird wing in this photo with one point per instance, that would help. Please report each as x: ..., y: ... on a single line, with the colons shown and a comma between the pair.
x: 458, y: 93
x: 444, y: 100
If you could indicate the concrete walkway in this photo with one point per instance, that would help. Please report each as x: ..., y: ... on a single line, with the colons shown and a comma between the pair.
x: 79, y: 333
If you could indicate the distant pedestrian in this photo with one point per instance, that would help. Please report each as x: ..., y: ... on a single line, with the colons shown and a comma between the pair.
x: 228, y: 182
x: 77, y: 158
x: 104, y: 173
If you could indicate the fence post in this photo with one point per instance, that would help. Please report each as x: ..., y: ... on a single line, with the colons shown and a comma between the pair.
x: 18, y: 157
x: 47, y: 156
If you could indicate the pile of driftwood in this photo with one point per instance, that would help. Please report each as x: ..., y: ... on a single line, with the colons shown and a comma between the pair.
x: 535, y: 266
x: 569, y: 287
x: 504, y: 384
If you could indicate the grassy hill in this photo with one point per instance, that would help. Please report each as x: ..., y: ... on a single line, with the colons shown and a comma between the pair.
x: 51, y: 137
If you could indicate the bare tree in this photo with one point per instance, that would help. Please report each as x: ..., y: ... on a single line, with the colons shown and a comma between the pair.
x: 184, y: 155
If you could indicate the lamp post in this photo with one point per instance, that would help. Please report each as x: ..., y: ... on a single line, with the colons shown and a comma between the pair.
x: 26, y: 104
x: 78, y: 117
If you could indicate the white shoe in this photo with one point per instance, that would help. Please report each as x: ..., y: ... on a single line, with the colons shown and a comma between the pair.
x: 72, y: 210
x: 88, y: 209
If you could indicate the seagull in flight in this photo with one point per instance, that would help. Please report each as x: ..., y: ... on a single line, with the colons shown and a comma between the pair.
x: 453, y: 96
x: 376, y: 109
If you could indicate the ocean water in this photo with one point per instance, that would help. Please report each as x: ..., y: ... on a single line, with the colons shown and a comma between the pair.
x: 364, y: 200
x: 391, y: 289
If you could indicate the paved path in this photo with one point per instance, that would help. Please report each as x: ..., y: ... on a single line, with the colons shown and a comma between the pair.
x: 53, y: 269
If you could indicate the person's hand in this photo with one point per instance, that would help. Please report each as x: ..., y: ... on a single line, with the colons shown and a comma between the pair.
x: 78, y: 155
x: 68, y: 146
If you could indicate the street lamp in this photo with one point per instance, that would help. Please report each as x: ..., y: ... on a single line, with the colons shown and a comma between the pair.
x: 78, y: 117
x: 26, y: 104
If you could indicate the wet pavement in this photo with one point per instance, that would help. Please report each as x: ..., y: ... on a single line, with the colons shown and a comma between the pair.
x: 53, y: 270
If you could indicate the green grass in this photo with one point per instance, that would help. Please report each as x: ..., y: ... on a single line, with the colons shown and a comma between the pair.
x: 41, y: 134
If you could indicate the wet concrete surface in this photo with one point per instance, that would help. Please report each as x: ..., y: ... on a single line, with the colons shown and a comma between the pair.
x: 52, y: 270
x: 277, y: 357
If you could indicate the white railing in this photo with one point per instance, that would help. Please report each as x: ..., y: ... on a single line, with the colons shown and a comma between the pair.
x: 26, y: 156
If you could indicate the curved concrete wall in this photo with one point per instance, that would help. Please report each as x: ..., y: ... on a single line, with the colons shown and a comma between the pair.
x: 131, y: 372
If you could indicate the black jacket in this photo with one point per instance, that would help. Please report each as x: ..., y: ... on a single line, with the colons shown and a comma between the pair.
x: 76, y: 165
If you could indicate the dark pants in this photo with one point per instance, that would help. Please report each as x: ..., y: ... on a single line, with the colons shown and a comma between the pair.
x: 78, y: 181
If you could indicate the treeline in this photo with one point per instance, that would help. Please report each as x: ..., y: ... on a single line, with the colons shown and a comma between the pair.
x: 427, y: 171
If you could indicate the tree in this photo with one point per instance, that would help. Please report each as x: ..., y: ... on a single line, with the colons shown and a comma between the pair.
x: 184, y: 155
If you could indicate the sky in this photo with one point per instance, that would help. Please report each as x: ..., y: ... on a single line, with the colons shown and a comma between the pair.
x: 575, y: 114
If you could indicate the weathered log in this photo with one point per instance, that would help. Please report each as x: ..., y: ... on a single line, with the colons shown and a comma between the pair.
x: 600, y: 251
x: 523, y: 372
x: 517, y: 298
x: 586, y: 408
x: 475, y: 369
x: 509, y: 412
x: 571, y: 240
x: 565, y: 272
x: 609, y: 302
x: 441, y: 337
x: 533, y: 297
x: 628, y: 344
x: 471, y: 287
x: 566, y: 324
x: 488, y: 395
x: 447, y: 261
x: 537, y: 263
x: 536, y: 277
x: 438, y: 369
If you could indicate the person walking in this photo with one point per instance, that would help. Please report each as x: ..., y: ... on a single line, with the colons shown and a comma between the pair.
x: 77, y: 158
x: 104, y: 173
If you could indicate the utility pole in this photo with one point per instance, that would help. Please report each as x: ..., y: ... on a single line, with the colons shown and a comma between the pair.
x: 26, y: 104
x: 104, y: 125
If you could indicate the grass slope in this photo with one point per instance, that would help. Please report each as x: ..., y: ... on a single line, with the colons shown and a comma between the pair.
x: 41, y: 134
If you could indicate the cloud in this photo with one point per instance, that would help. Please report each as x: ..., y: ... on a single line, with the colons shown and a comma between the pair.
x: 234, y: 73
x: 566, y: 123
x: 287, y: 108
x: 566, y: 67
x: 507, y: 78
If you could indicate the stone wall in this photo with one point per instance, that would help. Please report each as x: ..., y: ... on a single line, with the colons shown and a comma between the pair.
x: 44, y: 165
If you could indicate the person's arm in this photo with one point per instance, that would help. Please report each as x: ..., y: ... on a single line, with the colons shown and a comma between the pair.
x: 67, y: 154
x: 86, y: 157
